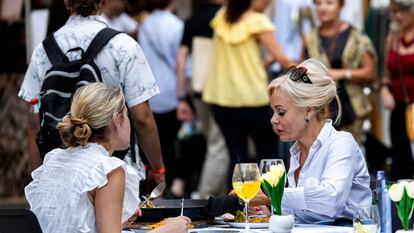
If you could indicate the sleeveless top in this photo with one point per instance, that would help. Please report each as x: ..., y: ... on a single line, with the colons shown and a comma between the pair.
x: 407, y: 68
x: 58, y: 194
x: 356, y: 46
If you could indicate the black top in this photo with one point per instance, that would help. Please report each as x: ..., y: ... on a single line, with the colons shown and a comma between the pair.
x: 338, y: 48
x: 199, y: 23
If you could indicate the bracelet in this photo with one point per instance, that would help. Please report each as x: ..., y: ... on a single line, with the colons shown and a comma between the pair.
x: 348, y: 74
x: 388, y: 85
x: 159, y: 171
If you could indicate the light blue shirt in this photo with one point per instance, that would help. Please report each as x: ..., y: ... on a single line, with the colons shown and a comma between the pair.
x: 160, y: 37
x: 286, y: 16
x: 333, y: 180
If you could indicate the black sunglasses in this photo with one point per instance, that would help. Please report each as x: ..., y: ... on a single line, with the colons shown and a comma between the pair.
x: 298, y: 73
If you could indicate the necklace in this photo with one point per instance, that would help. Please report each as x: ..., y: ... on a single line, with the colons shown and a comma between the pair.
x: 407, y: 44
x: 332, y: 46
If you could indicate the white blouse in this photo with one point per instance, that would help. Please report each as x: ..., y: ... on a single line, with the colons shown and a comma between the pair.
x: 58, y: 194
x: 333, y: 180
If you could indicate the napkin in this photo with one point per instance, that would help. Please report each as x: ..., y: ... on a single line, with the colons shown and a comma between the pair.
x: 217, y: 206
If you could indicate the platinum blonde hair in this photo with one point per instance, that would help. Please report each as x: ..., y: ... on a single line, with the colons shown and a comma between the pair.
x: 91, y: 113
x: 318, y: 95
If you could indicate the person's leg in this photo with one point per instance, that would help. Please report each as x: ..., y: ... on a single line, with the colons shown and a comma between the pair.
x: 168, y: 126
x: 257, y: 121
x: 213, y: 178
x: 228, y: 119
x: 402, y: 163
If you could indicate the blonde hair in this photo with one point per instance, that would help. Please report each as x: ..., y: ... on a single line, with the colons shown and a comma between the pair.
x: 319, y: 94
x: 92, y: 112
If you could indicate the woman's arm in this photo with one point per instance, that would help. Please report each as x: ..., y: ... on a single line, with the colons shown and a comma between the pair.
x: 184, y: 111
x: 272, y: 46
x: 386, y: 96
x: 366, y: 73
x: 108, y: 203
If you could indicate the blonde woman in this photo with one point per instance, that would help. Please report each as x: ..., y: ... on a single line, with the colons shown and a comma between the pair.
x: 328, y: 174
x: 236, y: 80
x: 83, y: 188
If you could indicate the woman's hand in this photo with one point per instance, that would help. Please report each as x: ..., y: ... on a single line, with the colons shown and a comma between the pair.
x: 184, y: 111
x: 132, y: 219
x: 336, y: 74
x: 174, y: 225
x: 259, y: 210
x: 387, y: 98
x: 260, y: 199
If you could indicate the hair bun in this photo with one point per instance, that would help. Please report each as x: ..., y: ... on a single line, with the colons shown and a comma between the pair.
x: 77, y: 120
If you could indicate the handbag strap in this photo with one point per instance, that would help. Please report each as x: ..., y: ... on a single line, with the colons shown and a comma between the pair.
x: 400, y: 74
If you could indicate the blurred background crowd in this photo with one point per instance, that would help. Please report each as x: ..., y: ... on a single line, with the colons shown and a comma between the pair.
x: 202, y: 131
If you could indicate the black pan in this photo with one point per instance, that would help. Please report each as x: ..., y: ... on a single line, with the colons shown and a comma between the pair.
x: 194, y: 209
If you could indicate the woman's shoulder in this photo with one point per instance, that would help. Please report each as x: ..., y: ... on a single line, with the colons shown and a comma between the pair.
x: 337, y: 138
x: 250, y: 24
x: 258, y: 22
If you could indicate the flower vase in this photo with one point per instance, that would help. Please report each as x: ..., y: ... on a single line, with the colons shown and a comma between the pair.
x: 405, y: 231
x: 281, y: 223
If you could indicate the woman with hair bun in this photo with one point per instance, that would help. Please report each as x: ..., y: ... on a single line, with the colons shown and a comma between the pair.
x: 328, y: 174
x: 83, y: 188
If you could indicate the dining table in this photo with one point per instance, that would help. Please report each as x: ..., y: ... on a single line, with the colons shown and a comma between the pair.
x: 299, y: 228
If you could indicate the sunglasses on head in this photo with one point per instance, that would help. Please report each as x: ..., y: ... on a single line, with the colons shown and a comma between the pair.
x: 298, y: 73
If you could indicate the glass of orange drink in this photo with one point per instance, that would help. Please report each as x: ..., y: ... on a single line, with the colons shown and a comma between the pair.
x: 246, y: 184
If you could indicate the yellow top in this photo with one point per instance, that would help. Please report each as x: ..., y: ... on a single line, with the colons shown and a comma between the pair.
x: 236, y: 75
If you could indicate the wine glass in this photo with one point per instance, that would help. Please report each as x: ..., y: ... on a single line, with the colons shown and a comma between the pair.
x: 367, y: 219
x: 265, y: 167
x: 246, y: 184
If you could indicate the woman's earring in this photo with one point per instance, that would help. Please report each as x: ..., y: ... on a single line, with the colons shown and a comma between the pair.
x: 307, y: 120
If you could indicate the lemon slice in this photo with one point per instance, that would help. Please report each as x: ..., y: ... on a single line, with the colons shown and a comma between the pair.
x: 359, y: 228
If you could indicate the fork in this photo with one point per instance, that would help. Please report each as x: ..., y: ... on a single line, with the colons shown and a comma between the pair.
x: 156, y: 192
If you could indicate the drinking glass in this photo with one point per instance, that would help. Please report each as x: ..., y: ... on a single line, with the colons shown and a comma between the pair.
x: 246, y: 184
x: 367, y: 219
x: 265, y: 167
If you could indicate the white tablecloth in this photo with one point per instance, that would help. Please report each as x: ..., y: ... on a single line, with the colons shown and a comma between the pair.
x: 297, y: 229
x: 302, y: 228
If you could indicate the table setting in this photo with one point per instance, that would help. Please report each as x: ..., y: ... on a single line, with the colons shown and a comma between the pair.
x: 247, y: 180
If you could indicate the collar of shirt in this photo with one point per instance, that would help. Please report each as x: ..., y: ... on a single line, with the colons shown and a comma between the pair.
x: 92, y: 146
x: 323, y: 136
x: 76, y: 19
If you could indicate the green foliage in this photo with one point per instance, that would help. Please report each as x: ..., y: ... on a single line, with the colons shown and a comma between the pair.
x: 276, y: 193
x: 405, y: 209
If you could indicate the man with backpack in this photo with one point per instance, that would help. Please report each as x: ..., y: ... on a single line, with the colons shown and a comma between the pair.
x: 120, y: 62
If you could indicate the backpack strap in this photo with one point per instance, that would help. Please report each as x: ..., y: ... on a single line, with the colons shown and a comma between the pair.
x: 100, y: 40
x: 53, y: 51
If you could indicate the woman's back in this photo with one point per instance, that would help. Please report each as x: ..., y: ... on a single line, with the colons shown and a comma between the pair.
x: 60, y: 192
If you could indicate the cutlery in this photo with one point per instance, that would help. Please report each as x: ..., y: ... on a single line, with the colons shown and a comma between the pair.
x: 182, y: 206
x: 154, y: 194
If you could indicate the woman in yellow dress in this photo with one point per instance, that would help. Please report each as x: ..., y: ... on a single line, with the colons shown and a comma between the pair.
x: 236, y: 81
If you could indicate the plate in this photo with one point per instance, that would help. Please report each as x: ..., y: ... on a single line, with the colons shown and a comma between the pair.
x: 253, y: 225
x: 219, y: 221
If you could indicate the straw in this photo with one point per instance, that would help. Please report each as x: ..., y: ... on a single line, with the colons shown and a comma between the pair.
x: 241, y: 174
